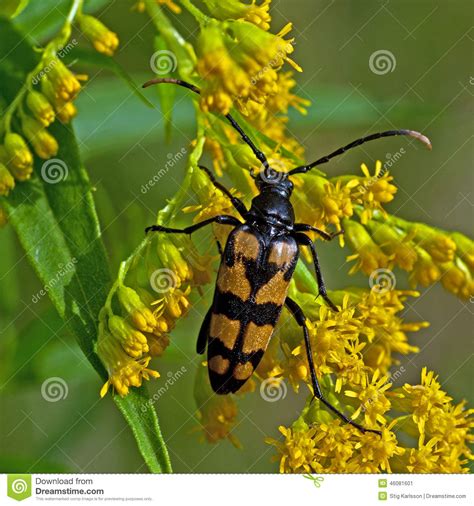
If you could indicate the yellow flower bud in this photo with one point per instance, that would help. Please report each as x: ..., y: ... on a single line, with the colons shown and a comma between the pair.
x: 233, y: 9
x: 370, y: 256
x: 19, y: 157
x: 457, y: 279
x: 66, y: 112
x: 439, y: 245
x: 104, y: 40
x: 393, y: 243
x: 65, y: 84
x: 425, y: 271
x: 132, y: 340
x: 44, y: 144
x: 40, y: 107
x: 7, y: 183
x: 141, y: 316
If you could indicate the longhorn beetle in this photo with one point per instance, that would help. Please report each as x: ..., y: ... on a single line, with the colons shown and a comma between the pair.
x: 256, y: 267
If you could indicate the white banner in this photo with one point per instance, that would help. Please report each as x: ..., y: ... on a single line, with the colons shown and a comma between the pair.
x: 236, y: 490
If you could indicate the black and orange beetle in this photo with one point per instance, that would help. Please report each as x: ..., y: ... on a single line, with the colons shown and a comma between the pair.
x: 256, y: 268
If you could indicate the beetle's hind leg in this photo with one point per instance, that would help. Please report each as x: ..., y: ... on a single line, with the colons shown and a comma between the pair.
x: 300, y: 318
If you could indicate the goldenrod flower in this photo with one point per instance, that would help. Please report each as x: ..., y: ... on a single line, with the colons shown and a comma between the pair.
x: 233, y: 9
x: 425, y: 271
x: 122, y: 369
x: 132, y: 340
x: 373, y: 191
x: 321, y: 202
x: 176, y: 270
x: 225, y: 79
x: 423, y: 459
x: 65, y: 84
x: 369, y: 256
x: 40, y: 107
x: 66, y: 112
x: 420, y: 399
x: 394, y: 244
x: 437, y: 244
x: 104, y: 40
x: 371, y: 399
x: 7, y: 182
x: 457, y: 278
x: 374, y: 452
x: 298, y: 450
x: 17, y: 156
x: 139, y: 314
x: 44, y: 144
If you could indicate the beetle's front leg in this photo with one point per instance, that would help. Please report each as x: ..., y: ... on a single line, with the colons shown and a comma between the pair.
x: 304, y: 240
x: 303, y: 227
x: 222, y: 220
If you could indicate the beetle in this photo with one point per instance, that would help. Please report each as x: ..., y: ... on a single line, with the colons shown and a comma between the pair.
x: 256, y: 268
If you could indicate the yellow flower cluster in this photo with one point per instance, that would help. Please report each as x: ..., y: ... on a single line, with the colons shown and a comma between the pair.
x: 438, y: 430
x: 357, y: 342
x: 128, y: 340
x: 239, y: 61
x: 427, y: 253
x: 258, y: 14
x: 104, y: 40
x: 48, y: 94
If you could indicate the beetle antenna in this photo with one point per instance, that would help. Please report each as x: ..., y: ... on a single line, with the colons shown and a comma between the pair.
x: 389, y: 133
x: 259, y: 154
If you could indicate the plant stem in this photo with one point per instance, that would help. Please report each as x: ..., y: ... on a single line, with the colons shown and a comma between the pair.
x: 197, y: 13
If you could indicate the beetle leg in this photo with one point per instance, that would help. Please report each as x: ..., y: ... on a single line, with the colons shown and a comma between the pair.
x: 223, y: 220
x: 237, y: 203
x: 303, y: 227
x: 300, y: 318
x: 306, y: 241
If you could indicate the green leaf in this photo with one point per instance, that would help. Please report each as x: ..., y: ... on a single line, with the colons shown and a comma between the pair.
x: 141, y: 416
x: 90, y: 57
x: 55, y: 220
